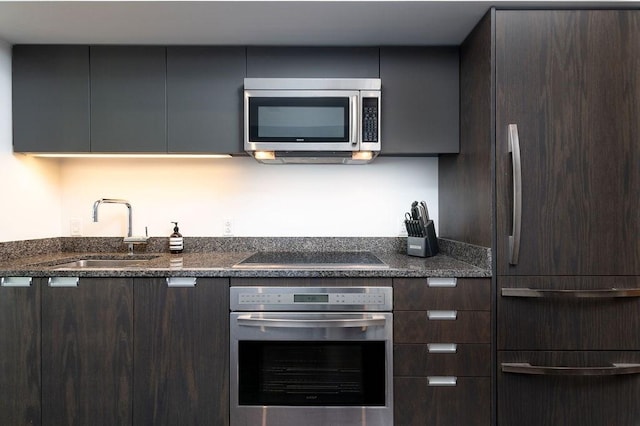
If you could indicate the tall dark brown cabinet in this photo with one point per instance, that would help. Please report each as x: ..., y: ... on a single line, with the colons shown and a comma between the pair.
x: 550, y: 147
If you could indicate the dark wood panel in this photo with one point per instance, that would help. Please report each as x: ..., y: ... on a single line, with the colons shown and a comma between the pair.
x: 20, y: 380
x: 414, y: 294
x: 534, y: 400
x: 570, y: 81
x: 87, y: 347
x: 415, y: 327
x: 181, y: 353
x: 417, y: 404
x: 312, y: 282
x: 568, y: 324
x: 313, y: 62
x: 416, y: 361
x: 465, y: 181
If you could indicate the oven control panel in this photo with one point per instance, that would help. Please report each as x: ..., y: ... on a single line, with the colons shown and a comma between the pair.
x: 310, y: 298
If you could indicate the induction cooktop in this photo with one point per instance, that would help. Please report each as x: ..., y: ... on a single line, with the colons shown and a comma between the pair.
x: 312, y: 260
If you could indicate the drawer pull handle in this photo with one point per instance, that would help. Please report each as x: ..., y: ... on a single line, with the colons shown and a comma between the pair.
x: 181, y: 281
x: 442, y: 315
x: 442, y: 348
x: 63, y: 281
x: 442, y: 282
x: 571, y: 294
x: 15, y: 282
x: 612, y: 370
x: 442, y: 380
x: 514, y: 149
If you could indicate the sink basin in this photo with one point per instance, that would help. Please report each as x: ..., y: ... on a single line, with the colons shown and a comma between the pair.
x: 103, y: 263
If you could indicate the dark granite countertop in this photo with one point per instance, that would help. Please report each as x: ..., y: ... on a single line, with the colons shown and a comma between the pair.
x: 220, y: 263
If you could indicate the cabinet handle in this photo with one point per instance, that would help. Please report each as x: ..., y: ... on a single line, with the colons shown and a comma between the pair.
x: 442, y: 315
x: 571, y: 294
x: 63, y: 281
x: 442, y: 380
x: 612, y: 370
x: 15, y: 282
x: 514, y: 238
x: 442, y: 282
x: 181, y: 281
x: 442, y: 348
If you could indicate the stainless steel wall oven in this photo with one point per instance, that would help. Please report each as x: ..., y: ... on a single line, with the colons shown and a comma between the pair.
x: 311, y: 356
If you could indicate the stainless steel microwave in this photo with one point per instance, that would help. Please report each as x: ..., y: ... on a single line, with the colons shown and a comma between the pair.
x: 307, y: 120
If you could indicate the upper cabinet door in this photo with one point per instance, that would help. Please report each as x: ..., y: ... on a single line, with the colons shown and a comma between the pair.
x: 420, y: 100
x: 313, y: 62
x: 128, y: 99
x: 204, y: 99
x: 570, y: 80
x: 50, y: 98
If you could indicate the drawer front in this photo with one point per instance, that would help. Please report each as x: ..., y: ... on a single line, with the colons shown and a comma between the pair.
x: 568, y: 313
x: 415, y: 294
x: 442, y: 360
x: 540, y: 399
x: 416, y: 327
x: 417, y: 403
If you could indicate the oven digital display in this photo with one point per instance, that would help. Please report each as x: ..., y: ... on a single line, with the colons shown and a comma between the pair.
x: 311, y: 298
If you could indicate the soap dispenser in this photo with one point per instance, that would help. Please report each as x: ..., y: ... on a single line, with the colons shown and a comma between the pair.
x: 176, y: 242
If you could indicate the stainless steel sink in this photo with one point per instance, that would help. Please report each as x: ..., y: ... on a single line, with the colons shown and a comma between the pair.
x: 103, y: 263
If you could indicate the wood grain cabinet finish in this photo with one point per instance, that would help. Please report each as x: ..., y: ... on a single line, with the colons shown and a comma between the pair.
x: 20, y: 378
x: 87, y: 347
x: 50, y: 98
x: 416, y: 294
x: 181, y: 353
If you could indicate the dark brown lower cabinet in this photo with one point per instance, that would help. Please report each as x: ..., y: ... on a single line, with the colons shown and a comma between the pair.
x: 555, y: 397
x: 181, y: 353
x: 87, y: 353
x: 20, y: 380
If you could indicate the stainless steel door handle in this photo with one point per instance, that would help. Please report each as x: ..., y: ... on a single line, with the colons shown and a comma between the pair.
x: 612, y: 370
x: 355, y: 124
x: 250, y: 321
x: 442, y: 315
x: 15, y: 281
x: 514, y: 238
x: 571, y: 294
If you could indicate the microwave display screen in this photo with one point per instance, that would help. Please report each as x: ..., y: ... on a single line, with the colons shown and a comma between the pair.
x: 323, y: 119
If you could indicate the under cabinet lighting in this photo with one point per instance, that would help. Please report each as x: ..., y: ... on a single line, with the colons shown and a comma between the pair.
x: 265, y: 155
x: 91, y: 155
x: 362, y: 155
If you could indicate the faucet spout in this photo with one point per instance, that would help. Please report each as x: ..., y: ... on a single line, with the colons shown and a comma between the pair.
x: 113, y: 201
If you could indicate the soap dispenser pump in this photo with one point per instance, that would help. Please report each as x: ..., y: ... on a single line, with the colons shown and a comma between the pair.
x: 176, y: 242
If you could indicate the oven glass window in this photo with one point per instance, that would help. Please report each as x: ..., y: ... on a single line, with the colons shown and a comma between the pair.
x: 311, y: 373
x: 277, y: 119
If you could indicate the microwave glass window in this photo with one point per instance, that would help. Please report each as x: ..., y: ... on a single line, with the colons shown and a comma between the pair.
x: 323, y: 119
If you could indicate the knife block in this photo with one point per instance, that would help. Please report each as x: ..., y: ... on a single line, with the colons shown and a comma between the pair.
x: 424, y: 246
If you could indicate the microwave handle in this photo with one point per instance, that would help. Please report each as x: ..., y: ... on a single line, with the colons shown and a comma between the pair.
x: 354, y: 122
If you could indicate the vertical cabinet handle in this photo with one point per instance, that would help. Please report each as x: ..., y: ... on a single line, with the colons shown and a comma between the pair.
x: 63, y: 281
x: 514, y: 238
x: 181, y: 281
x: 15, y: 281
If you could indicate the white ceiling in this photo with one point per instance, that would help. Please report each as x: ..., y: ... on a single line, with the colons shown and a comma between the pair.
x: 253, y: 22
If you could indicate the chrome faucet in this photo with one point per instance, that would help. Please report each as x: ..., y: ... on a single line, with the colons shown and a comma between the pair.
x: 129, y: 239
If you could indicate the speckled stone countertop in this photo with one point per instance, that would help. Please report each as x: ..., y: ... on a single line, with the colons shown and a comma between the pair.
x: 215, y: 257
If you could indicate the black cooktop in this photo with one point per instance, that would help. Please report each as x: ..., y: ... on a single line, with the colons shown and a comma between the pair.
x: 312, y: 260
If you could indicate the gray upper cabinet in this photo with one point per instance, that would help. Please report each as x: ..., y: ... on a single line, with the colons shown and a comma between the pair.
x: 204, y: 99
x: 313, y: 62
x: 50, y: 98
x: 128, y: 99
x: 420, y: 100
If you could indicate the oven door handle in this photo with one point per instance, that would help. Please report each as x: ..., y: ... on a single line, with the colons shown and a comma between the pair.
x: 250, y: 321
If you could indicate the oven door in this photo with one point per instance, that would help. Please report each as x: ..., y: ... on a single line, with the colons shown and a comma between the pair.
x: 301, y: 120
x: 311, y: 368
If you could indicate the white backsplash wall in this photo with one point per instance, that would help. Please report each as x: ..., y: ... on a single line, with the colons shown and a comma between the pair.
x: 215, y: 197
x: 29, y: 190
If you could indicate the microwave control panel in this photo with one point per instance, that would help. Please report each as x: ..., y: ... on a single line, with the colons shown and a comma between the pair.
x: 370, y: 119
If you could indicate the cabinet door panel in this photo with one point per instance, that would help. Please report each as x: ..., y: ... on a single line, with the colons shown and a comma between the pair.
x: 540, y: 400
x: 416, y: 327
x: 20, y: 380
x: 128, y: 99
x: 417, y: 361
x: 87, y: 347
x: 570, y: 81
x: 50, y: 98
x: 568, y: 323
x: 204, y: 99
x: 415, y: 294
x: 182, y: 348
x: 418, y: 404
